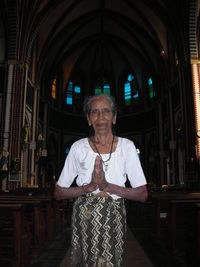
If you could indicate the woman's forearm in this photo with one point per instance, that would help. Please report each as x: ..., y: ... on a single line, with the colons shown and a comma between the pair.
x: 137, y: 194
x: 64, y: 192
x: 72, y: 192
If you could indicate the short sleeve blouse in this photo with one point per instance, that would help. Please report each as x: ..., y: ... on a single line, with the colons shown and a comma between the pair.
x: 124, y: 163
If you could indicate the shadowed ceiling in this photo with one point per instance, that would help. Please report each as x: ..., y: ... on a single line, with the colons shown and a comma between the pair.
x: 107, y: 37
x: 101, y: 39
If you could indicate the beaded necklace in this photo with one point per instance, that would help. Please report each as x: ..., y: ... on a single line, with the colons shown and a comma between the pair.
x: 105, y: 162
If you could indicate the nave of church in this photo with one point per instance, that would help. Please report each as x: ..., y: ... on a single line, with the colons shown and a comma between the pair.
x: 163, y: 232
x: 144, y: 248
x: 53, y: 55
x: 148, y: 255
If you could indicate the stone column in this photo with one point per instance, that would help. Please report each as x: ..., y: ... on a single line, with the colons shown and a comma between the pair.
x: 160, y: 119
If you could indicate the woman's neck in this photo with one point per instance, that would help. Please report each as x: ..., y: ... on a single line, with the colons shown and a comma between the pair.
x: 103, y: 140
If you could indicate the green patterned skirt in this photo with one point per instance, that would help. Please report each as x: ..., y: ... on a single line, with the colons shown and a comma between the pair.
x: 98, y: 232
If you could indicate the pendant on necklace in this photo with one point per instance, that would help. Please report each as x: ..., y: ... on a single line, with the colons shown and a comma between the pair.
x: 106, y: 164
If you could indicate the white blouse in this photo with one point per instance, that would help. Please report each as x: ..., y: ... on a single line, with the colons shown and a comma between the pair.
x: 124, y: 163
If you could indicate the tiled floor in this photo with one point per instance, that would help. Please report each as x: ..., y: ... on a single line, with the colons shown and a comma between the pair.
x: 142, y: 251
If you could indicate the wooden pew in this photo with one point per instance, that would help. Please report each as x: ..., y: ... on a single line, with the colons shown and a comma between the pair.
x: 15, y: 236
x: 58, y: 211
x: 139, y: 215
x: 198, y: 232
x: 67, y: 206
x: 46, y: 217
x: 174, y: 205
x: 46, y: 213
x: 178, y: 230
x: 35, y: 216
x: 53, y: 214
x: 162, y: 199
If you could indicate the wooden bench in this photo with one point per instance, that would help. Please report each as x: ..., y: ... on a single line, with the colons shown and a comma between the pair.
x: 161, y: 203
x: 177, y: 229
x: 35, y: 216
x: 50, y: 216
x: 197, y: 205
x: 174, y: 205
x: 14, y: 235
x: 139, y: 215
x: 46, y: 216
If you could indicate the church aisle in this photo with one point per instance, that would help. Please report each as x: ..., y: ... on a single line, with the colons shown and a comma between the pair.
x: 135, y: 254
x: 55, y: 252
x: 142, y: 251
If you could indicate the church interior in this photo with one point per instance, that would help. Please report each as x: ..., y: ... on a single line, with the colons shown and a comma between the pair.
x: 144, y: 53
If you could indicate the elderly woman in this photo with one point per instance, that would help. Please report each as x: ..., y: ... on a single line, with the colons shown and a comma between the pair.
x: 101, y: 164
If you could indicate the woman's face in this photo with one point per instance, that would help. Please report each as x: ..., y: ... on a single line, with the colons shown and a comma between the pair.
x: 101, y: 116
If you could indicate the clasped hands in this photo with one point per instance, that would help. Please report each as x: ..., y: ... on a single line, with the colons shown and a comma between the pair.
x: 98, y: 177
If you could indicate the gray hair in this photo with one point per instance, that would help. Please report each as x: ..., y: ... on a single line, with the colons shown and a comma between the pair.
x: 88, y: 102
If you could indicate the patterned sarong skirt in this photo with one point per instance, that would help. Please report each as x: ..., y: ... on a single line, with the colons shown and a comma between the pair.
x: 98, y: 232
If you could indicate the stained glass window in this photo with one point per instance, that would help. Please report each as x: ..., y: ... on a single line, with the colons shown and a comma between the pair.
x: 150, y: 88
x: 127, y: 93
x: 131, y: 93
x: 73, y: 93
x: 97, y: 90
x: 102, y: 87
x: 53, y: 89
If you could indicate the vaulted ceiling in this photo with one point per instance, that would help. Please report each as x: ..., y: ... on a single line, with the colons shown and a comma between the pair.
x: 100, y: 38
x: 106, y: 37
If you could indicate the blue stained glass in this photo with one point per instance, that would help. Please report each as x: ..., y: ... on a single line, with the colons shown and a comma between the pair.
x: 70, y: 86
x: 136, y: 95
x: 77, y: 89
x: 127, y: 91
x: 127, y: 96
x: 69, y: 100
x: 130, y: 77
x: 150, y: 82
x: 151, y: 89
x: 106, y: 86
x: 127, y: 87
x: 131, y: 94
